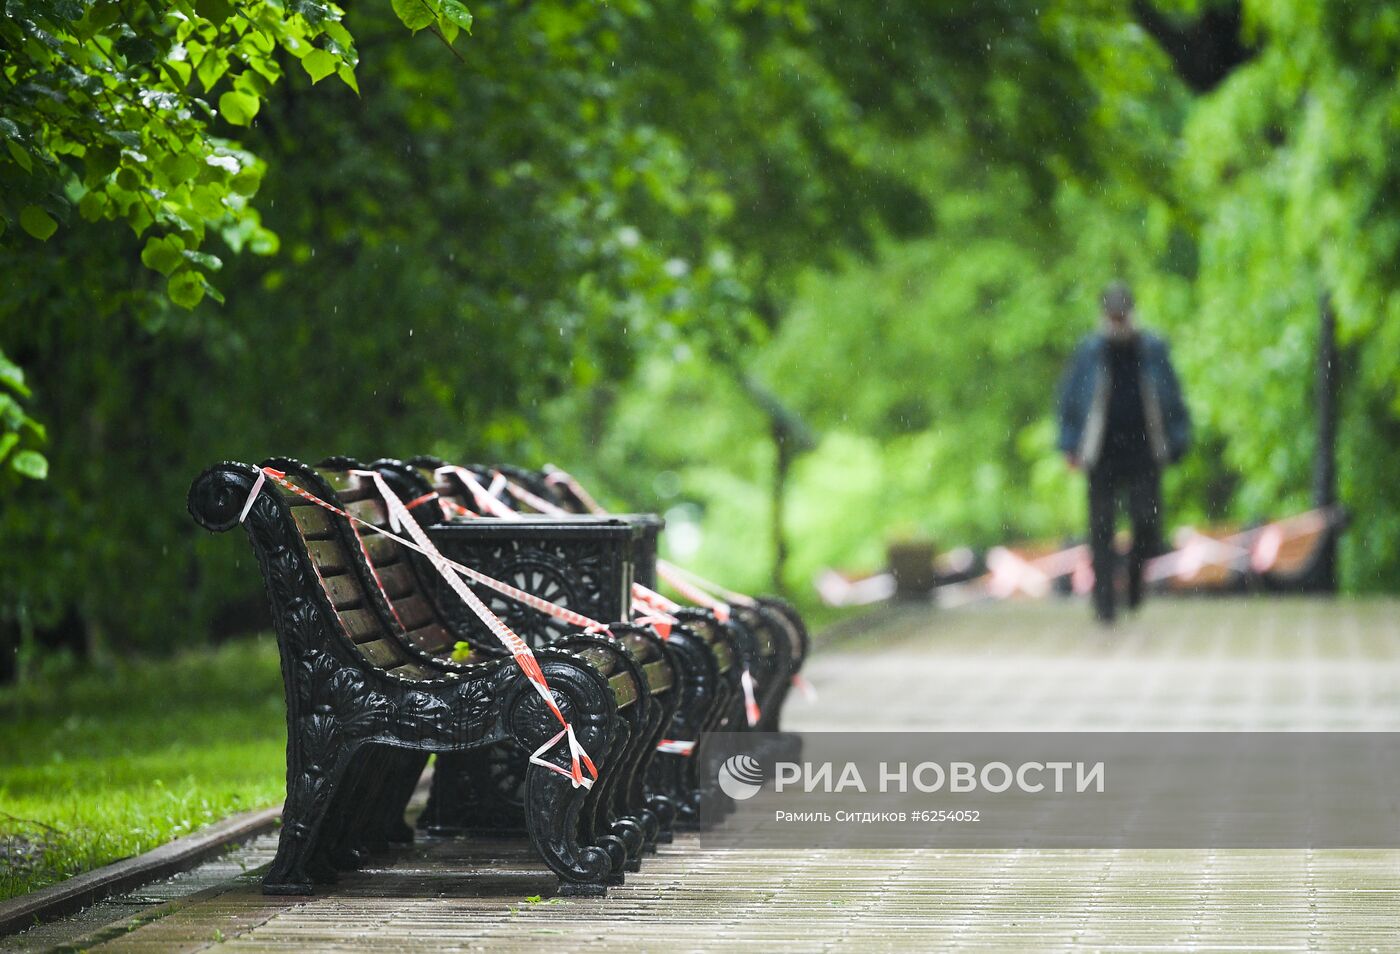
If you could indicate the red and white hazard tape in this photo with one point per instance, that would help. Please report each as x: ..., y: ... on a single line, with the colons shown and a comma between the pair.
x: 534, y: 500
x: 670, y: 572
x: 650, y: 614
x: 675, y: 747
x: 750, y: 701
x: 553, y: 475
x: 486, y: 500
x: 1010, y: 574
x: 800, y: 683
x: 452, y: 572
x: 652, y: 605
x: 694, y: 588
x: 691, y: 585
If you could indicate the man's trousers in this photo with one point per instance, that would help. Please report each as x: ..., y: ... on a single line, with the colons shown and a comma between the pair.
x: 1141, y: 490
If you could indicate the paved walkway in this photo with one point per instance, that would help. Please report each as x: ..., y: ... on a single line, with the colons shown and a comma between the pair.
x: 1202, y: 665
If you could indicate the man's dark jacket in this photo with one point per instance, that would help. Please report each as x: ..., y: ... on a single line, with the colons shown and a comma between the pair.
x: 1083, y: 404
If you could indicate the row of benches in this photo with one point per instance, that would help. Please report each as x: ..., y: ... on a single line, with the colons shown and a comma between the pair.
x: 587, y: 743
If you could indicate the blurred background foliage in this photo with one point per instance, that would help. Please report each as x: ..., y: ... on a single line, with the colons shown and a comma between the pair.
x: 654, y: 242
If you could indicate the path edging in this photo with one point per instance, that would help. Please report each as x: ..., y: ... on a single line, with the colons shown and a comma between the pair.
x: 80, y: 891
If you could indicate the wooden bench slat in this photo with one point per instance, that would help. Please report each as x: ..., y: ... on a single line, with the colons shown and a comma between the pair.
x: 723, y: 656
x: 382, y: 653
x: 344, y: 591
x: 658, y: 676
x: 329, y: 556
x: 413, y: 670
x: 398, y: 580
x: 362, y: 625
x: 371, y: 510
x: 414, y: 612
x: 381, y: 549
x: 600, y: 658
x: 313, y: 522
x: 433, y: 638
x: 348, y: 487
x: 624, y: 689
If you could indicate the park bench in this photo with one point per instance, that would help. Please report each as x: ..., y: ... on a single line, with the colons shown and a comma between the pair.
x: 583, y: 566
x: 781, y: 641
x: 371, y: 687
x: 562, y: 559
x: 1303, y: 553
x: 1293, y: 555
x: 586, y: 570
x: 766, y: 635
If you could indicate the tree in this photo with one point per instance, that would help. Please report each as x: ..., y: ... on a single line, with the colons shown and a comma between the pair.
x: 1287, y: 169
x: 110, y: 114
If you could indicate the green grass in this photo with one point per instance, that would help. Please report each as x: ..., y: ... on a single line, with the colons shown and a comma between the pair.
x: 98, y: 765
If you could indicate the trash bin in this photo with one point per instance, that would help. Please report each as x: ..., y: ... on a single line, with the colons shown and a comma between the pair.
x: 911, y: 563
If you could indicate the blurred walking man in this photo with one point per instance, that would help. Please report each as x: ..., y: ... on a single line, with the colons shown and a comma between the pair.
x: 1122, y: 419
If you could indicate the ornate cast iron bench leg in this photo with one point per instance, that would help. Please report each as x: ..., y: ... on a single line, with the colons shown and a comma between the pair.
x: 553, y: 807
x: 670, y: 777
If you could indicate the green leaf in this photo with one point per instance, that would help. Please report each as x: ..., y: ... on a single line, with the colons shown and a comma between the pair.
x: 319, y: 64
x: 137, y: 49
x: 20, y: 155
x: 238, y: 108
x: 91, y: 205
x: 179, y: 71
x: 347, y: 76
x: 454, y: 11
x: 461, y: 652
x: 266, y: 67
x: 215, y: 11
x: 204, y: 259
x: 31, y: 464
x: 7, y: 443
x: 186, y: 288
x: 264, y: 242
x: 339, y: 34
x: 103, y: 15
x: 313, y: 11
x: 139, y: 218
x: 252, y: 83
x: 414, y: 14
x: 163, y: 254
x: 262, y: 42
x: 100, y: 162
x: 181, y: 167
x: 246, y: 182
x: 208, y: 200
x: 12, y: 376
x: 37, y: 222
x: 212, y: 66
